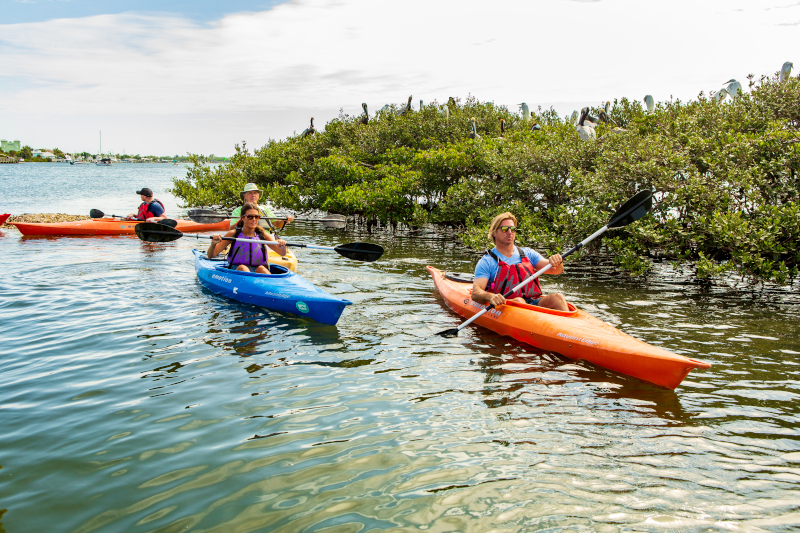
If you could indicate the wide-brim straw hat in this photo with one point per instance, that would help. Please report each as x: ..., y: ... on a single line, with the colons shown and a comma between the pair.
x: 250, y: 187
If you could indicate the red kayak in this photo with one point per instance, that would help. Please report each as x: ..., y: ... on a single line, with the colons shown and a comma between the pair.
x: 108, y: 226
x: 3, y: 218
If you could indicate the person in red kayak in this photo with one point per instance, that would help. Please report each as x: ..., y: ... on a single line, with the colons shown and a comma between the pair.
x: 506, y: 266
x: 245, y: 256
x: 151, y: 209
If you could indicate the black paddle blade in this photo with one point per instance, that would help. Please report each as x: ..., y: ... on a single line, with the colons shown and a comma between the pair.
x: 96, y: 213
x: 168, y: 222
x: 452, y: 332
x: 154, y: 232
x: 632, y: 210
x: 360, y: 251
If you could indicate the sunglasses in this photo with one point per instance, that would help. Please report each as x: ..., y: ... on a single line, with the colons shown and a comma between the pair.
x: 252, y: 217
x: 506, y: 229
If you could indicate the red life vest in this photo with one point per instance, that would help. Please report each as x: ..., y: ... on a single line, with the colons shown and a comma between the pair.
x: 144, y: 210
x: 509, y: 276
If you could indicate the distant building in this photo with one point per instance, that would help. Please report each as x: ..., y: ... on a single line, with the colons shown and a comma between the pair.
x: 9, y: 146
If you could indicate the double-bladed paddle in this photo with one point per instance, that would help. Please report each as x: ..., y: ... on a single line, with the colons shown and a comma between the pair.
x: 96, y: 213
x: 359, y: 251
x: 631, y: 211
x: 206, y: 216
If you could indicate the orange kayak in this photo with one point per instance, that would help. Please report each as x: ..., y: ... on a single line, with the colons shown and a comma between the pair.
x: 574, y: 334
x: 108, y: 226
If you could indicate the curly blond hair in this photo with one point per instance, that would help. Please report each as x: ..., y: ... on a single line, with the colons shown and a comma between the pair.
x: 496, y: 223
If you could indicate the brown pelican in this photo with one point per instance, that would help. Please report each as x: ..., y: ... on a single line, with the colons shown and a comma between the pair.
x: 474, y: 133
x: 585, y: 125
x: 536, y: 127
x: 786, y: 70
x: 309, y: 130
x: 651, y: 105
x: 407, y: 108
x: 603, y: 115
x: 365, y: 116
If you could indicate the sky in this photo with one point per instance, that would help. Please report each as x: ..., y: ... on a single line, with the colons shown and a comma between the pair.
x: 170, y: 77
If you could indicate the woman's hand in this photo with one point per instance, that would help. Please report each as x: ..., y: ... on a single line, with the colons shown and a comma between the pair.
x: 216, y: 239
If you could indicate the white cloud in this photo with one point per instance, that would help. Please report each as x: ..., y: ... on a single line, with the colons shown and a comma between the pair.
x: 313, y: 57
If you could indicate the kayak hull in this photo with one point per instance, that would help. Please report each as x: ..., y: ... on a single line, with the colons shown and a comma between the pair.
x: 283, y: 290
x: 574, y: 334
x: 107, y: 226
x: 3, y: 218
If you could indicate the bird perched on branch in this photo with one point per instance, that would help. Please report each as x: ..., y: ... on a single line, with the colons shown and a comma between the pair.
x: 445, y: 111
x: 474, y: 133
x: 573, y: 118
x: 526, y: 112
x: 421, y: 107
x: 407, y: 108
x: 651, y: 105
x: 502, y: 127
x: 786, y: 70
x: 365, y: 116
x: 536, y: 127
x: 719, y: 95
x: 734, y: 88
x: 603, y: 115
x: 586, y: 125
x: 309, y: 130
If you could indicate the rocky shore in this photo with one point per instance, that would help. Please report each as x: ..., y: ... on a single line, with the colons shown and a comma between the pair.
x: 41, y: 217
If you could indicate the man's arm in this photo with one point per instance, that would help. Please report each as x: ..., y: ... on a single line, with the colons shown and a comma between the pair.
x: 555, y: 260
x: 480, y: 295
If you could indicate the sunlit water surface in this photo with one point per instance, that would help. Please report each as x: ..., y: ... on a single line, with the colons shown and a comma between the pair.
x: 132, y: 399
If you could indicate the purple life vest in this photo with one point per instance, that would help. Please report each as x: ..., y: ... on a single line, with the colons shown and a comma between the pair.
x: 251, y: 254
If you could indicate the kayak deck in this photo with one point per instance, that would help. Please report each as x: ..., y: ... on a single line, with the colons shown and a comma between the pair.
x: 574, y: 334
x: 106, y: 226
x: 281, y: 290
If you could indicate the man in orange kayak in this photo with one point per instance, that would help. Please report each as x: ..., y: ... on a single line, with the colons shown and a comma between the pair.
x: 151, y: 209
x: 506, y: 266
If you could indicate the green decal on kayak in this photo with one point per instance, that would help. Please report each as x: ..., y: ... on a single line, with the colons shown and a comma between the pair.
x: 302, y: 307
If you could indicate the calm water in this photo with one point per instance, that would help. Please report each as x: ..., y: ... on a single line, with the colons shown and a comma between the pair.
x: 133, y: 400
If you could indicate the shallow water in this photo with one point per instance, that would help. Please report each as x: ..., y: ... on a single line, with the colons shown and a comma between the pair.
x: 132, y: 399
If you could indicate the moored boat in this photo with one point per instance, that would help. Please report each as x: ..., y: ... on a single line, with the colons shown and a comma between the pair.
x: 281, y: 290
x: 574, y: 334
x: 3, y: 218
x: 107, y: 226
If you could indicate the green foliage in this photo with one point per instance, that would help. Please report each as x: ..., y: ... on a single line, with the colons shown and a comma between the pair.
x: 725, y: 177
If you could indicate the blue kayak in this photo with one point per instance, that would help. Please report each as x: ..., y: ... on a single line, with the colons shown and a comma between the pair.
x: 281, y: 290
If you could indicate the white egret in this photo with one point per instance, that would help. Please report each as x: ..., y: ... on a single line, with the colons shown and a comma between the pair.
x: 734, y: 88
x: 420, y: 104
x: 786, y: 70
x: 474, y: 133
x: 309, y: 130
x: 445, y: 112
x: 573, y: 119
x: 719, y: 95
x: 651, y: 105
x: 365, y: 116
x: 526, y: 112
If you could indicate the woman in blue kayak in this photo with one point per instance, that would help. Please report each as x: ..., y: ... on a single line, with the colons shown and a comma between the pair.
x: 505, y: 266
x: 246, y: 256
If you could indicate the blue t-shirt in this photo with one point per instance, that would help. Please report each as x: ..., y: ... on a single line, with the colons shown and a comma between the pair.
x: 487, y: 267
x: 155, y: 208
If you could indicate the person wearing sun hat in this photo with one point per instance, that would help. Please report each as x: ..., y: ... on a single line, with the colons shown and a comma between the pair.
x: 250, y: 194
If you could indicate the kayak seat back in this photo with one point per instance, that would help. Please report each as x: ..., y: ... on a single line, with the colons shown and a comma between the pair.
x: 274, y: 270
x: 572, y: 309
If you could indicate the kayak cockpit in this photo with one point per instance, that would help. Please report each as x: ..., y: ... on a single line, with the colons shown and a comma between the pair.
x: 573, y: 311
